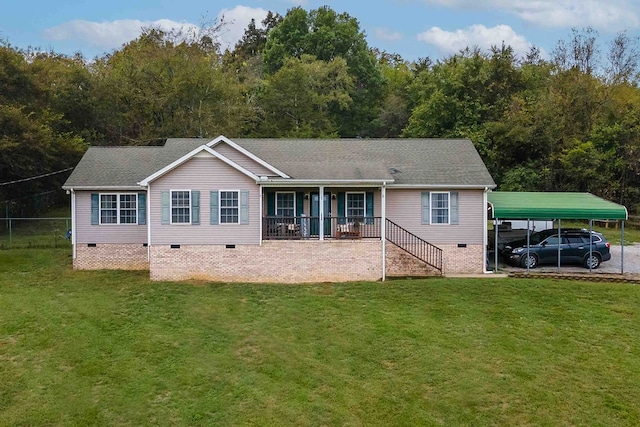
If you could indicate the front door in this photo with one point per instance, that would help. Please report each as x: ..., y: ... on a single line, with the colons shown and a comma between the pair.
x: 315, y: 214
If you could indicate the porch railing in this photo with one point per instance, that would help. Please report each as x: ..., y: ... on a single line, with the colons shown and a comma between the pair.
x: 414, y: 245
x: 309, y: 227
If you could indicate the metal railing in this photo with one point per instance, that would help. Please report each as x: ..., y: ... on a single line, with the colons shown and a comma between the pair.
x: 309, y: 227
x: 35, y: 233
x: 414, y: 245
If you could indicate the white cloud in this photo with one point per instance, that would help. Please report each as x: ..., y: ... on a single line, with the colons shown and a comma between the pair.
x: 449, y: 42
x: 113, y: 34
x: 386, y: 34
x: 610, y: 15
x: 109, y: 34
x: 236, y: 20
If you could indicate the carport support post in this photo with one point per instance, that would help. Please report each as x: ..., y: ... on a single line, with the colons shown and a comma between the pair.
x: 528, y: 242
x: 622, y: 247
x: 590, y: 242
x: 559, y: 241
x: 495, y: 246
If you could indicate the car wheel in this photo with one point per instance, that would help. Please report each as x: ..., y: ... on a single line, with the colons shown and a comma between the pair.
x: 592, y: 261
x: 532, y: 260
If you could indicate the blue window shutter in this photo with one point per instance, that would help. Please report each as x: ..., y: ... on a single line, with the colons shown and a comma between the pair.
x: 271, y: 204
x: 425, y: 207
x: 341, y: 210
x: 369, y: 207
x: 142, y: 208
x: 299, y: 203
x: 244, y: 207
x: 453, y: 205
x: 95, y: 209
x: 214, y: 208
x: 166, y: 207
x: 195, y: 207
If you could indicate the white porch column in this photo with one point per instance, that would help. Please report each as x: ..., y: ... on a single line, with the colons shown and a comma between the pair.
x: 383, y: 225
x: 321, y: 212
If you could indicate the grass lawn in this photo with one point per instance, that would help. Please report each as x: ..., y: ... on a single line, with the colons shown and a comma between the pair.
x: 113, y: 348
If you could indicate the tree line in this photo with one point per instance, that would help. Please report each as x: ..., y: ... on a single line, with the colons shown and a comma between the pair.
x: 569, y: 122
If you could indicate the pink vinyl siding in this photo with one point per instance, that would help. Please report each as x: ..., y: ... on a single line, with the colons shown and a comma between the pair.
x: 204, y: 174
x: 404, y: 207
x: 242, y: 160
x: 105, y: 233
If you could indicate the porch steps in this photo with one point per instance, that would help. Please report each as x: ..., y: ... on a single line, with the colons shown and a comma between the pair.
x: 428, y: 256
x: 402, y: 265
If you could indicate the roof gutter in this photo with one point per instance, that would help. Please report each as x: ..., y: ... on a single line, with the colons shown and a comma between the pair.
x: 444, y: 186
x: 316, y: 182
x: 103, y: 187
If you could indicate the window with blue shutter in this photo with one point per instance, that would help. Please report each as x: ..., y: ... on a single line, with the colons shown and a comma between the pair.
x: 166, y: 208
x: 453, y: 203
x: 142, y: 208
x: 426, y: 214
x: 215, y: 212
x: 341, y: 207
x: 369, y: 212
x: 244, y: 207
x: 95, y: 209
x: 195, y: 207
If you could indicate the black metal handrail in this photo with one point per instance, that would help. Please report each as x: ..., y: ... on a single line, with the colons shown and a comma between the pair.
x: 308, y: 227
x: 414, y: 245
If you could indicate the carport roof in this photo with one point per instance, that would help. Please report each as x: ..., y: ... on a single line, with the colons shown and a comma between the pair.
x: 542, y: 205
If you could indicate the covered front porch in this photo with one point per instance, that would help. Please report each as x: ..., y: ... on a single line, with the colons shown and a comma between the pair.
x: 322, y: 213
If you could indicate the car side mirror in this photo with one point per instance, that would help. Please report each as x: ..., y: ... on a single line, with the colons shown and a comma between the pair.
x: 543, y: 244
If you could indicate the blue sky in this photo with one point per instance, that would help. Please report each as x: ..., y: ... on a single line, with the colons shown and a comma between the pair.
x: 412, y: 28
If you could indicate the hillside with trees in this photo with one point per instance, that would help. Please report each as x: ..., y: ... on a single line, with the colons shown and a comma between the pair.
x: 569, y: 122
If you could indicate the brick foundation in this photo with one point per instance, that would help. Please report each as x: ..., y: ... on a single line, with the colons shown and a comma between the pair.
x: 274, y: 261
x: 111, y: 257
x: 462, y: 260
x: 401, y: 264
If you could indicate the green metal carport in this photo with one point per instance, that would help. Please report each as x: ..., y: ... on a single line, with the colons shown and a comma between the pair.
x: 555, y: 206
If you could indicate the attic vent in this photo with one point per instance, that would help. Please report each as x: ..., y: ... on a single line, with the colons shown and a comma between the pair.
x: 394, y: 171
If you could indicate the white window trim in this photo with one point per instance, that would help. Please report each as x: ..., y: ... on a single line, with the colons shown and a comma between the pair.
x: 294, y: 201
x: 432, y: 207
x: 100, y: 209
x: 171, y: 207
x: 346, y: 203
x: 220, y: 207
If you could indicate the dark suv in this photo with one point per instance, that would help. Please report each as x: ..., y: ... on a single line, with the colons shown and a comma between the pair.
x: 574, y: 249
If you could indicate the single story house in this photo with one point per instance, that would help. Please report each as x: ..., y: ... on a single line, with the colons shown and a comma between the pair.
x: 282, y: 210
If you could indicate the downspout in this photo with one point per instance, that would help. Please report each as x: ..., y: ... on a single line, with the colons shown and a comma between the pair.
x: 383, y: 228
x: 485, y: 231
x: 73, y: 222
x: 149, y: 224
x: 260, y: 215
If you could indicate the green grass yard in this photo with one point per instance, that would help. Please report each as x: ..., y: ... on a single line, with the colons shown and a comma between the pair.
x: 113, y: 348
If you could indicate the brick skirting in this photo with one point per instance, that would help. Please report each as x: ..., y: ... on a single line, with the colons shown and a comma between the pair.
x: 272, y: 262
x: 110, y: 256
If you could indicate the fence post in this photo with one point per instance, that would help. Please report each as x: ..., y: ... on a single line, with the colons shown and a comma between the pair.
x: 10, y: 240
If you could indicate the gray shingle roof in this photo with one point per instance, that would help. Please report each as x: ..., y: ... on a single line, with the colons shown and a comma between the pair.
x: 436, y: 162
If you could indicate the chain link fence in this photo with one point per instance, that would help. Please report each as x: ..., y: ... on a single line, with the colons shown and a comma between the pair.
x: 35, y: 233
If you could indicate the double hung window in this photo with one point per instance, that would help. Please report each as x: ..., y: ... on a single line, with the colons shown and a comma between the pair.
x: 285, y: 204
x: 118, y: 208
x: 355, y: 206
x: 181, y: 207
x: 229, y: 207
